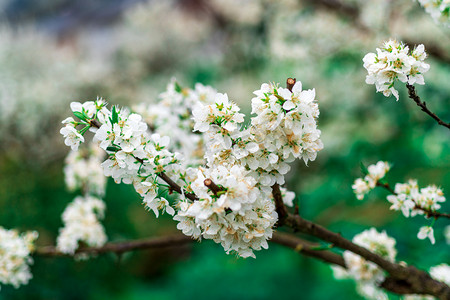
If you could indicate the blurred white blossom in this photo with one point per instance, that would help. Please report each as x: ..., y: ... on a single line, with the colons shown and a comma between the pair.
x: 15, y: 256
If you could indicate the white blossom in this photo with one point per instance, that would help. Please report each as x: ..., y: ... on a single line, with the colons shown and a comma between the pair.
x: 426, y: 232
x: 438, y: 9
x: 83, y: 170
x: 367, y: 274
x: 375, y: 173
x: 15, y: 256
x: 394, y: 61
x: 72, y: 137
x: 81, y: 224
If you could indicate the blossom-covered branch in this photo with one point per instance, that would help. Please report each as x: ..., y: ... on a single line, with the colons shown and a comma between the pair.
x: 229, y: 181
x: 428, y: 212
x: 422, y: 104
x: 405, y: 197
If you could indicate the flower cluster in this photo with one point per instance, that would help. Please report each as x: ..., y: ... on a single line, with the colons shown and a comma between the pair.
x: 441, y: 273
x: 83, y: 170
x: 284, y: 128
x: 406, y: 197
x: 81, y: 224
x: 438, y: 9
x: 411, y: 202
x: 234, y: 212
x: 394, y: 61
x: 171, y: 117
x: 86, y: 112
x: 285, y: 125
x: 225, y: 185
x: 137, y: 157
x: 374, y: 174
x: 367, y: 274
x: 15, y: 257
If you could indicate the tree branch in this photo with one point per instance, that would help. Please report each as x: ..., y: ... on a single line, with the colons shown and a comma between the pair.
x: 413, y: 95
x: 307, y: 248
x: 417, y: 281
x: 279, y: 205
x: 121, y: 247
x: 299, y: 245
x: 175, y: 187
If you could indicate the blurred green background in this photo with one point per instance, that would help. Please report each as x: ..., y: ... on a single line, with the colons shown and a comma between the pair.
x: 57, y: 51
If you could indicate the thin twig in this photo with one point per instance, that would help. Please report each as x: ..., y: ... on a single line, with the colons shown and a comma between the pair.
x: 413, y: 95
x: 175, y: 187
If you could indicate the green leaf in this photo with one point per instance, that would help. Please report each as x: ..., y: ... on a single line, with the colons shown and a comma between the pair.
x: 79, y: 115
x: 112, y: 148
x: 178, y: 88
x: 363, y: 168
x: 114, y: 115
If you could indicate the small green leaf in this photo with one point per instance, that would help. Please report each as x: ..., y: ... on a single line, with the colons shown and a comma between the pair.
x: 363, y: 168
x: 79, y: 115
x: 114, y: 115
x: 112, y: 148
x: 178, y: 88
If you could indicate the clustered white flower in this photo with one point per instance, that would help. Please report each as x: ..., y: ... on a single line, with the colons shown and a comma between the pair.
x: 172, y: 117
x: 15, y: 257
x: 86, y: 112
x: 394, y: 61
x: 246, y: 162
x: 438, y: 9
x: 81, y: 224
x: 375, y: 173
x: 441, y: 273
x: 240, y: 217
x: 412, y: 201
x: 242, y: 163
x: 136, y: 156
x: 83, y: 170
x: 367, y: 274
x: 406, y: 197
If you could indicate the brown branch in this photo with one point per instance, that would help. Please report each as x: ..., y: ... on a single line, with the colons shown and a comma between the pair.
x: 121, y: 247
x: 299, y: 245
x: 212, y: 186
x: 279, y: 205
x: 428, y: 212
x: 417, y: 281
x: 307, y: 248
x: 413, y: 95
x: 175, y: 187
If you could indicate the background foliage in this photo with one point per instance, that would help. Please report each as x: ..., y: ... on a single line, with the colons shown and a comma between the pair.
x: 60, y: 51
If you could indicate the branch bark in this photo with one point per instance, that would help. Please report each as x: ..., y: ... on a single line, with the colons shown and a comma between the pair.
x: 416, y: 281
x: 413, y: 95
